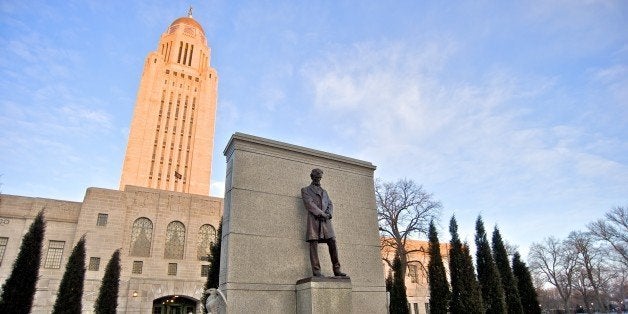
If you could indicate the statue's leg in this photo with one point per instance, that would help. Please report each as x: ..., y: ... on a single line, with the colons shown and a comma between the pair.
x: 333, y: 253
x: 316, y: 265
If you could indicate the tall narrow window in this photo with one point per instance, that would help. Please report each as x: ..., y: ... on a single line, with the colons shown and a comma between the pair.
x: 94, y: 263
x: 172, y: 269
x: 3, y: 247
x: 141, y: 237
x: 191, y: 53
x: 55, y: 252
x: 137, y: 267
x: 175, y: 240
x: 180, y: 48
x: 185, y: 54
x: 204, y: 270
x: 413, y: 273
x: 206, y: 236
x: 102, y: 220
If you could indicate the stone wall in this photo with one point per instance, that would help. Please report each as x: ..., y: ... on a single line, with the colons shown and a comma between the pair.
x: 264, y: 251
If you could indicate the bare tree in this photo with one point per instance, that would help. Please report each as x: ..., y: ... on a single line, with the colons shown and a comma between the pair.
x: 614, y: 231
x: 590, y: 260
x: 557, y: 264
x: 404, y: 210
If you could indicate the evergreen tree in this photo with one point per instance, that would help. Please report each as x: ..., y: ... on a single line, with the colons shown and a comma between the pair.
x: 214, y: 265
x: 439, y: 288
x: 107, y: 301
x: 398, y: 298
x: 465, y: 290
x: 527, y: 293
x: 19, y: 289
x: 488, y: 275
x: 71, y: 288
x: 389, y: 281
x: 511, y: 293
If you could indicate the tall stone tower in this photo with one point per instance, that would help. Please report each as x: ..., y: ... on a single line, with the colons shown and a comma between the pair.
x: 172, y: 133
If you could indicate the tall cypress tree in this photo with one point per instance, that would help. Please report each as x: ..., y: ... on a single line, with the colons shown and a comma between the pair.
x: 465, y: 290
x: 19, y: 289
x: 527, y: 293
x: 71, y: 288
x: 107, y: 301
x: 213, y: 276
x: 389, y: 281
x: 398, y: 298
x: 488, y: 275
x: 511, y: 292
x: 439, y: 288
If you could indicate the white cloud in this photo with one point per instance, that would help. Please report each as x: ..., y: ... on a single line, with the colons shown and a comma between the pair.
x: 217, y: 188
x: 411, y: 121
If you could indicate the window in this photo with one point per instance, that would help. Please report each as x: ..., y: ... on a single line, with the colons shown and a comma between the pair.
x: 102, y: 219
x: 427, y: 308
x: 3, y: 247
x: 137, y: 267
x: 206, y: 237
x: 412, y: 273
x: 172, y: 269
x: 175, y: 240
x: 204, y: 270
x: 416, y: 307
x: 141, y: 237
x: 94, y: 263
x: 55, y: 252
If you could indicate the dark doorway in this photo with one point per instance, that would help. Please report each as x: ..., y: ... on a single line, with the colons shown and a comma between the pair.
x: 174, y: 304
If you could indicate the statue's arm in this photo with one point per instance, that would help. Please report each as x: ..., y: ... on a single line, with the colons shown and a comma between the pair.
x: 330, y: 207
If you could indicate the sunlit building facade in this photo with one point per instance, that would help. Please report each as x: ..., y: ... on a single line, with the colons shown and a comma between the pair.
x: 162, y: 219
x: 172, y: 132
x: 417, y: 286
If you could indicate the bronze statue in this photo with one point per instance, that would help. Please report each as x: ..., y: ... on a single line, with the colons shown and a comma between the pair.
x: 319, y: 228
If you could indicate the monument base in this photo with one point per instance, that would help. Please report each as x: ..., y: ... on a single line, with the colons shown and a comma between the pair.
x: 324, y: 295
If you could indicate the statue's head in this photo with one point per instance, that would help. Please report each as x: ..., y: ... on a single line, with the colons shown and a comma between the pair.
x: 316, y: 175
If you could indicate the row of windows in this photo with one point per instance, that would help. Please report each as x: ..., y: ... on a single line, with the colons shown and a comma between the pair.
x: 172, y: 269
x: 176, y: 159
x: 142, y: 236
x: 175, y: 73
x: 183, y: 52
x: 53, y: 257
x: 94, y: 265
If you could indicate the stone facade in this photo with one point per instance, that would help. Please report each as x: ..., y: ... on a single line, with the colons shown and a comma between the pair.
x: 68, y: 221
x: 264, y: 252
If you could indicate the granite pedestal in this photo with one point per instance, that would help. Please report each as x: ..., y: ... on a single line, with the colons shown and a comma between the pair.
x: 324, y: 295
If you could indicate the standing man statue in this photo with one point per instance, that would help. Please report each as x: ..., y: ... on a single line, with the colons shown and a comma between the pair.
x: 319, y: 228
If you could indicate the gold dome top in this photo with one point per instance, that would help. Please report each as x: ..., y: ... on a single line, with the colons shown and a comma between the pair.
x: 188, y: 21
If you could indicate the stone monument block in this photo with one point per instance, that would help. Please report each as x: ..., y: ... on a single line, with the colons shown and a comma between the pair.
x: 323, y: 296
x: 264, y: 252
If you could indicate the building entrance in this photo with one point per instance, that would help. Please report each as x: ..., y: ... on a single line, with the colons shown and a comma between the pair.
x: 174, y: 304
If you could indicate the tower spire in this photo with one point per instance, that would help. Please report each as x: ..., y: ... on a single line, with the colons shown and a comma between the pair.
x: 190, y: 12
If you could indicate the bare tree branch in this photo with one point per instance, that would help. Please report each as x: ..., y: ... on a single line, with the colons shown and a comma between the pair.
x: 404, y: 211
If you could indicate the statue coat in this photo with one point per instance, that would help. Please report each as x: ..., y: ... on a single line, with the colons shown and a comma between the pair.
x: 317, y: 202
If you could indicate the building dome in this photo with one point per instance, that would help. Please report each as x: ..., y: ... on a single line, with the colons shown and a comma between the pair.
x: 188, y: 21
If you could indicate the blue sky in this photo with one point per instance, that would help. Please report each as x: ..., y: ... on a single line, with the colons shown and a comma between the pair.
x: 517, y: 111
